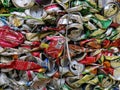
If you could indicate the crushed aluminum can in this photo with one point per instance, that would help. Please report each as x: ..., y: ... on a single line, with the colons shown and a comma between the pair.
x: 73, y: 9
x: 36, y: 12
x: 39, y: 83
x: 102, y: 3
x: 3, y: 22
x: 75, y: 3
x: 16, y: 21
x: 37, y: 15
x: 53, y: 70
x: 56, y: 46
x: 107, y: 82
x: 80, y: 56
x: 29, y: 75
x: 89, y: 87
x: 63, y: 70
x: 110, y: 9
x: 4, y: 79
x: 59, y: 45
x: 115, y: 63
x: 11, y: 38
x: 1, y: 49
x: 74, y: 31
x: 23, y: 3
x: 4, y: 59
x: 116, y: 75
x: 34, y: 22
x: 58, y: 83
x: 70, y: 80
x: 72, y: 17
x: 63, y: 3
x: 76, y: 68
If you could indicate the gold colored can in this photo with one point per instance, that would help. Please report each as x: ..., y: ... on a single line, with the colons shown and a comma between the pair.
x: 111, y: 9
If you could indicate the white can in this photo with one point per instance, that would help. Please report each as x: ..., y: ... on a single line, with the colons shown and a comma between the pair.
x: 23, y: 3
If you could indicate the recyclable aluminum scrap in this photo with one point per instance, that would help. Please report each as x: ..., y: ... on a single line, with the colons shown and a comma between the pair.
x: 60, y: 44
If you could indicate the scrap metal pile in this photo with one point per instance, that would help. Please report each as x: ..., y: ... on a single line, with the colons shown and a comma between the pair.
x: 60, y: 44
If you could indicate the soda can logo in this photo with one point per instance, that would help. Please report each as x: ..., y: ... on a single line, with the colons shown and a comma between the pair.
x: 23, y: 3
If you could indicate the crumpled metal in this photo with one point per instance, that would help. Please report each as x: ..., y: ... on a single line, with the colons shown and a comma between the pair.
x: 10, y: 38
x: 60, y: 45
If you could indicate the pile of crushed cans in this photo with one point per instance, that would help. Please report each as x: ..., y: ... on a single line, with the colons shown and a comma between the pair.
x: 59, y: 44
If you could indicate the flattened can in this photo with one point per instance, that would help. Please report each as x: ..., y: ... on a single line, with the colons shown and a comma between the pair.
x: 111, y: 9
